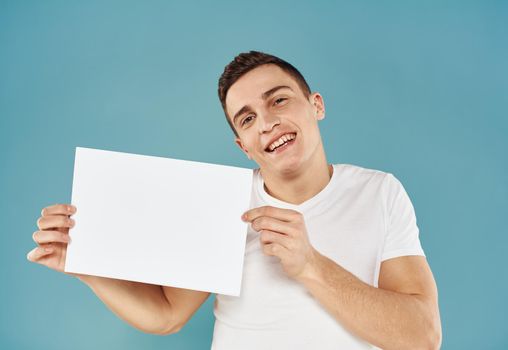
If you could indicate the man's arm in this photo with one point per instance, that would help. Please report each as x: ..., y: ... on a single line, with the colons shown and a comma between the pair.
x: 402, y: 313
x: 150, y: 308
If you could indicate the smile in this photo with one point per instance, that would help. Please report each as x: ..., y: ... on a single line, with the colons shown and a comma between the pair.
x: 282, y: 144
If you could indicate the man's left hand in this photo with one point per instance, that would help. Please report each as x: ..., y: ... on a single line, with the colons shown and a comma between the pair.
x: 284, y: 235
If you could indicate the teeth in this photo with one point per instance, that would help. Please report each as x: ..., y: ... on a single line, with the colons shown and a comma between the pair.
x: 281, y: 140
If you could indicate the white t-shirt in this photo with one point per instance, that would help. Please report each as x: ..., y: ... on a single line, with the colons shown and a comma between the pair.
x: 362, y: 217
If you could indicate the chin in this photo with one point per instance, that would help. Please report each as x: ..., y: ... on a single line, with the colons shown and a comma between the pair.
x: 289, y: 165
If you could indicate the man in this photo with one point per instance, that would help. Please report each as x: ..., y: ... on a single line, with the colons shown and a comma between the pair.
x: 333, y: 259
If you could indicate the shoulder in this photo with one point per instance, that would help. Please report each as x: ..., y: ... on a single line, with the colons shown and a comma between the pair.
x: 361, y: 175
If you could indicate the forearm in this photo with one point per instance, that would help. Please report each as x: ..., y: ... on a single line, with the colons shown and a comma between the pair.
x: 143, y: 306
x: 384, y: 318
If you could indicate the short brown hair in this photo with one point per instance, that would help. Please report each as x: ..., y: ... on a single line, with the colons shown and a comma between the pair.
x: 246, y: 62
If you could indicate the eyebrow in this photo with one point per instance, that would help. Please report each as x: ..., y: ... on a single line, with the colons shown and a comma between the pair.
x: 264, y: 96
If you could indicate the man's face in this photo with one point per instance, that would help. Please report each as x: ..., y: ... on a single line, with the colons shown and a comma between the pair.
x: 261, y: 112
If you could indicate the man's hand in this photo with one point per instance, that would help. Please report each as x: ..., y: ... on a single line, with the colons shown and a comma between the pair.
x: 53, y: 237
x: 284, y: 235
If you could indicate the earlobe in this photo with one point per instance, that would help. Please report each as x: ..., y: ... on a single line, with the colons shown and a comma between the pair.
x: 320, y: 113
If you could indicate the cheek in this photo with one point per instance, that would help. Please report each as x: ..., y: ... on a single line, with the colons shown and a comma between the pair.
x: 299, y: 113
x: 251, y: 143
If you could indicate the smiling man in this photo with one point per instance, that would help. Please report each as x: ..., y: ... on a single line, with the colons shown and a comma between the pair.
x: 333, y: 258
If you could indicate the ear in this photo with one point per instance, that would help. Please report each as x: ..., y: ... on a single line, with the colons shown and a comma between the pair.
x: 238, y: 141
x: 319, y: 105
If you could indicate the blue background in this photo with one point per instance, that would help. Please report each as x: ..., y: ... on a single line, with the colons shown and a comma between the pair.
x: 418, y: 89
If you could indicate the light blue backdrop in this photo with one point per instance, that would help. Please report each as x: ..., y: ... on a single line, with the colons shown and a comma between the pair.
x: 418, y: 89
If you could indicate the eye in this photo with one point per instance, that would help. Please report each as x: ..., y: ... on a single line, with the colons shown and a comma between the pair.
x: 280, y: 99
x: 243, y: 121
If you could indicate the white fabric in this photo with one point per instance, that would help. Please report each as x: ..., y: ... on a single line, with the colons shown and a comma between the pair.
x: 362, y: 217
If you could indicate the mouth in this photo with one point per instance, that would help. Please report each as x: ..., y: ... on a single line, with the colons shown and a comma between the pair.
x: 282, y: 147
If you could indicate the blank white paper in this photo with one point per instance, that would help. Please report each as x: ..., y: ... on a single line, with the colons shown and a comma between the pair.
x: 159, y: 220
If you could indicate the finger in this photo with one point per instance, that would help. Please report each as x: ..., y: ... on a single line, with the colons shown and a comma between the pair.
x: 268, y: 237
x: 277, y: 213
x: 43, y: 237
x: 59, y: 209
x: 54, y: 221
x: 275, y: 249
x: 272, y: 224
x: 39, y: 252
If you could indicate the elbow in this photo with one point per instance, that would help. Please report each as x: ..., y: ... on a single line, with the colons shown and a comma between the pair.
x: 159, y: 331
x: 436, y: 340
x: 168, y: 329
x: 436, y: 335
x: 170, y: 326
x: 429, y: 343
x: 432, y: 341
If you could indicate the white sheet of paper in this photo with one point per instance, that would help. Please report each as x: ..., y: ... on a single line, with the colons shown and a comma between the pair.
x: 159, y: 220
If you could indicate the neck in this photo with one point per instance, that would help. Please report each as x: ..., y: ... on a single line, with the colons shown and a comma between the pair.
x: 299, y: 187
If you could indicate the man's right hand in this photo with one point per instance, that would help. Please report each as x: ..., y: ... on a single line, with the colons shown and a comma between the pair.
x: 146, y: 307
x: 53, y: 236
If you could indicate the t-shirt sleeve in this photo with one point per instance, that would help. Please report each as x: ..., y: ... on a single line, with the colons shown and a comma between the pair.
x: 402, y: 233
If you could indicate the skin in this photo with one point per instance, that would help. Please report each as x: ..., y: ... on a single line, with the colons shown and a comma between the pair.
x: 403, y: 312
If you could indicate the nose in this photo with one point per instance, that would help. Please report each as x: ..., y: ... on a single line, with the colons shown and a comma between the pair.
x: 267, y: 122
